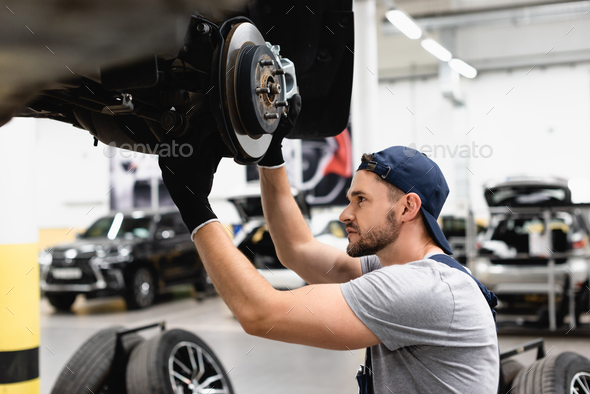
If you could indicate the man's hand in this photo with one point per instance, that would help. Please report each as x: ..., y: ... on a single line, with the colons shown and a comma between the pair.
x: 274, y: 155
x: 188, y: 171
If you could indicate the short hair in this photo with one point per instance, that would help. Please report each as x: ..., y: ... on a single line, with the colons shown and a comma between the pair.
x: 395, y: 193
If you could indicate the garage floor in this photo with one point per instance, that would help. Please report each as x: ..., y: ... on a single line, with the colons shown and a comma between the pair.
x: 256, y: 365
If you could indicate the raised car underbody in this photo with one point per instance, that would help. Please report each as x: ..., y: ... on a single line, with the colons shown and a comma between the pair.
x: 136, y: 73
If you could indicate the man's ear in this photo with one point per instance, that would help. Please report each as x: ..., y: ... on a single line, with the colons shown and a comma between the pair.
x: 412, y: 206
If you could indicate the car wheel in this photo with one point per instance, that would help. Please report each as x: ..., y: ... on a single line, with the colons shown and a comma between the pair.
x: 565, y: 373
x: 91, y: 364
x: 141, y: 290
x: 176, y: 361
x: 61, y: 302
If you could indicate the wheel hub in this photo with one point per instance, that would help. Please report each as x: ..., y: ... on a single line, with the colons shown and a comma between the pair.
x: 192, y: 369
x: 580, y: 383
x: 253, y: 90
x: 260, y: 94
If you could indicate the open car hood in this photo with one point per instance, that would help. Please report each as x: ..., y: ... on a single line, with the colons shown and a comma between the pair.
x: 528, y: 192
x: 250, y: 206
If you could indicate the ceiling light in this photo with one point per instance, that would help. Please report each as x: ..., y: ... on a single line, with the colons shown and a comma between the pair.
x: 462, y: 68
x: 436, y: 49
x: 404, y: 23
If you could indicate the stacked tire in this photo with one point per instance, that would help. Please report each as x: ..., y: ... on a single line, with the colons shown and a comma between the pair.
x: 510, y: 369
x: 565, y: 373
x: 87, y: 370
x: 175, y: 361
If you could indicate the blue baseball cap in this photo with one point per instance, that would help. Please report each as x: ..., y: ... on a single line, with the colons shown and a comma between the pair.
x: 413, y: 172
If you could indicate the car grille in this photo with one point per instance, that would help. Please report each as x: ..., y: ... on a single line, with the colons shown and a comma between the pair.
x: 88, y: 276
x: 530, y: 262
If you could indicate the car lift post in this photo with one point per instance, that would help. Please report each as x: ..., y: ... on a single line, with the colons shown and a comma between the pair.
x: 551, y: 267
x: 471, y: 239
x: 570, y: 292
x: 19, y: 270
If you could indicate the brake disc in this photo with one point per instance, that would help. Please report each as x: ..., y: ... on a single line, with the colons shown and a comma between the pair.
x: 253, y: 91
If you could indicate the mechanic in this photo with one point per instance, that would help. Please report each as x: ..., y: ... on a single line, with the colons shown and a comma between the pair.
x: 427, y: 325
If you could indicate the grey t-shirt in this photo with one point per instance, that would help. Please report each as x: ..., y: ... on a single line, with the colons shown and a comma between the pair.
x: 436, y: 329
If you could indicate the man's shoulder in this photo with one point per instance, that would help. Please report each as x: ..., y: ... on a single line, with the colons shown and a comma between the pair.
x: 423, y: 276
x: 373, y: 263
x: 370, y: 263
x: 418, y: 278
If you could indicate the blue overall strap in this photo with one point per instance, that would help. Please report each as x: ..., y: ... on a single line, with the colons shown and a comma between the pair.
x: 490, y: 297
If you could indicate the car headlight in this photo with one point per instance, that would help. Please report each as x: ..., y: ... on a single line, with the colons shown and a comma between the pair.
x: 124, y: 251
x: 45, y: 257
x: 119, y: 255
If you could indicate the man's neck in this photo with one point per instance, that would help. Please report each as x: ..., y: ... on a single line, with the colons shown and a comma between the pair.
x: 404, y: 251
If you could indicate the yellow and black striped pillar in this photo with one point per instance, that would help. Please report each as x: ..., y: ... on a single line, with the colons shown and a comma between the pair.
x: 19, y: 270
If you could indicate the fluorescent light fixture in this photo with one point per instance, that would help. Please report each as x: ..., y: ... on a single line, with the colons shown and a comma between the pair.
x: 462, y: 68
x: 436, y: 49
x: 404, y: 23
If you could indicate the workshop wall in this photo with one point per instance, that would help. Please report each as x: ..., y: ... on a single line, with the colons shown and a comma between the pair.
x: 516, y: 123
x: 72, y: 180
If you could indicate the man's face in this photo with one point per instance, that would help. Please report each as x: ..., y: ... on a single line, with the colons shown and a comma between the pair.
x: 370, y: 216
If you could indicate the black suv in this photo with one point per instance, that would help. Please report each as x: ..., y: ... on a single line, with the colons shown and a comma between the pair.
x: 129, y: 254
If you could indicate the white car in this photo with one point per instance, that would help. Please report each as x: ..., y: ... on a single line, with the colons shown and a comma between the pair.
x: 254, y: 239
x: 514, y: 253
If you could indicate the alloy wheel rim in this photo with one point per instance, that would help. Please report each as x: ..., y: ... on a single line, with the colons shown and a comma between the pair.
x: 580, y: 383
x: 193, y: 370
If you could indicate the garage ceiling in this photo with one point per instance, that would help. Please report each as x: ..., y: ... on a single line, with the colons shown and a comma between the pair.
x: 490, y: 35
x: 419, y: 8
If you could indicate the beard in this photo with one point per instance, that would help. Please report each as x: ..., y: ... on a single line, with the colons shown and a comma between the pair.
x: 375, y: 239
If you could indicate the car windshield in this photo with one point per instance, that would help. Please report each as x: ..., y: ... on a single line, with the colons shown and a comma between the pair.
x: 119, y: 226
x: 251, y: 206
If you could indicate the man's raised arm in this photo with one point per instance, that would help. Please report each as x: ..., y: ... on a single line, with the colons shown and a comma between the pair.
x: 313, y: 315
x: 296, y: 248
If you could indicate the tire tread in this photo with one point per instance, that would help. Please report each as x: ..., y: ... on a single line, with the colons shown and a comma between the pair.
x: 552, y: 374
x: 91, y: 363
